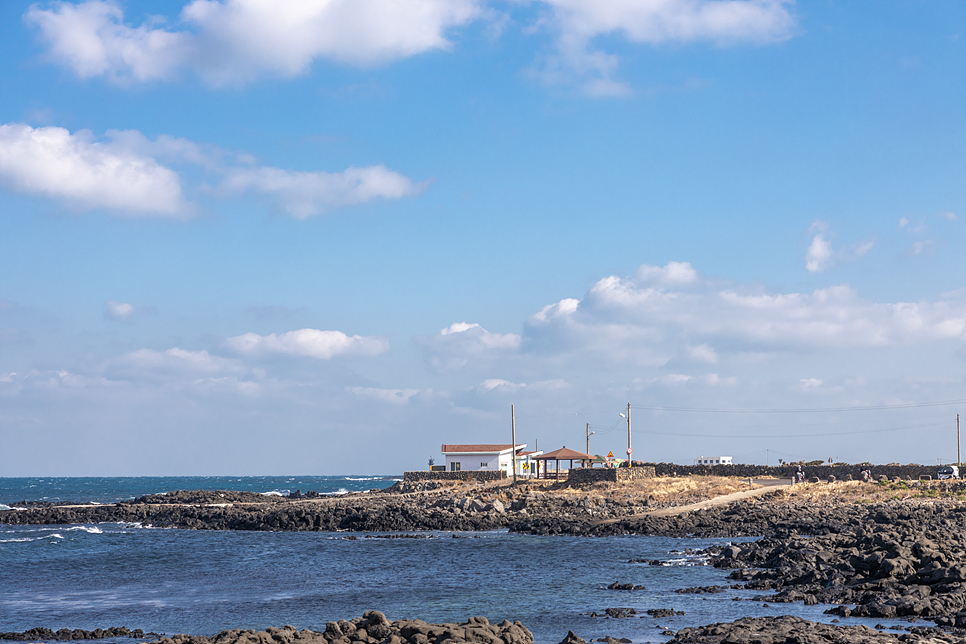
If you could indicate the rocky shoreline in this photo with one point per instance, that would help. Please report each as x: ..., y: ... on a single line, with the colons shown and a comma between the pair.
x: 68, y: 634
x: 450, y: 508
x: 899, y: 561
x: 373, y: 628
x: 903, y: 558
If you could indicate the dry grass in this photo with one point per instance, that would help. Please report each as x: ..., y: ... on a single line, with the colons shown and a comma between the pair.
x: 677, y: 490
x: 846, y: 492
x: 674, y: 488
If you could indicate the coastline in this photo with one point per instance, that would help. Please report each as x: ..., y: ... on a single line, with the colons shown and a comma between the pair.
x: 856, y: 555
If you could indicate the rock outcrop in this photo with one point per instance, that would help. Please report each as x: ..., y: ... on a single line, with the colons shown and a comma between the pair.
x: 794, y: 630
x: 67, y: 634
x: 372, y: 628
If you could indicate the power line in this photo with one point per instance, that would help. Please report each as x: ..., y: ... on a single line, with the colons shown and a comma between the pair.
x: 784, y: 425
x: 938, y: 403
x: 870, y: 431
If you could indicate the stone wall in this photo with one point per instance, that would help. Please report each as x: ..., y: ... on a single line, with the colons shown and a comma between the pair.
x: 840, y: 472
x: 635, y: 473
x: 467, y: 476
x: 587, y: 475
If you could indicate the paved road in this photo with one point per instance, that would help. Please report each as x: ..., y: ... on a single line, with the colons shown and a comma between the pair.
x: 767, y: 486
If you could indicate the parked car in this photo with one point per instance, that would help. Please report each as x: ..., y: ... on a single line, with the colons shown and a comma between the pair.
x: 948, y: 472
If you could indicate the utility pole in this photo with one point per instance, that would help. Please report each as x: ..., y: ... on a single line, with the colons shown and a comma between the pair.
x: 766, y: 457
x: 629, y: 450
x: 513, y: 438
x: 588, y: 442
x: 959, y: 454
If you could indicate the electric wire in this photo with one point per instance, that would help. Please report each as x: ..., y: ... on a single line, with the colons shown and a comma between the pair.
x: 803, y: 410
x: 773, y: 436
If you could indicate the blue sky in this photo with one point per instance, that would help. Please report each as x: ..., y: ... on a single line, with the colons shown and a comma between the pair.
x: 240, y: 237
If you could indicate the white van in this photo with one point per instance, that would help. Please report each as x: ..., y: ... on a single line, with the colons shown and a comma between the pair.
x: 948, y: 472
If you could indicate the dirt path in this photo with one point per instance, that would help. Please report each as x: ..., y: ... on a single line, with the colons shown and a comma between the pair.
x: 767, y: 485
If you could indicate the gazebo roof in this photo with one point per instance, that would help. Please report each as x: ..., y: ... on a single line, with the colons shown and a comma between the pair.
x: 564, y: 454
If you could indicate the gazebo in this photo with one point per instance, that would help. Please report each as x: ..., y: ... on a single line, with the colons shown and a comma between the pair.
x: 562, y: 454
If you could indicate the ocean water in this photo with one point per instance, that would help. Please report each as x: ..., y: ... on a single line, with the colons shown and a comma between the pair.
x: 185, y: 581
x: 114, y: 489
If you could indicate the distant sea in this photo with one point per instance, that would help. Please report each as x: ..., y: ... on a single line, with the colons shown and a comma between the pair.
x: 200, y: 582
x: 100, y: 489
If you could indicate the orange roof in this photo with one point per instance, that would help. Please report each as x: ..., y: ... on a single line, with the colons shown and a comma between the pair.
x: 565, y: 454
x: 488, y: 448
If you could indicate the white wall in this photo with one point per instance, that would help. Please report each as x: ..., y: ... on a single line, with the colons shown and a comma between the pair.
x: 473, y: 462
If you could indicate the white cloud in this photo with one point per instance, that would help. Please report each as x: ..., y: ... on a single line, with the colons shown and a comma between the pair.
x: 231, y: 42
x: 120, y: 311
x: 630, y: 323
x: 624, y: 320
x: 487, y: 339
x: 309, y: 343
x: 172, y: 361
x: 951, y: 216
x: 562, y: 308
x: 394, y: 396
x: 124, y: 174
x: 922, y: 247
x: 654, y: 22
x: 235, y: 41
x: 303, y: 194
x: 819, y: 254
x: 463, y: 342
x: 87, y: 174
x: 673, y: 273
x: 715, y: 380
x: 497, y: 383
x: 704, y: 353
x: 675, y: 378
x: 91, y: 39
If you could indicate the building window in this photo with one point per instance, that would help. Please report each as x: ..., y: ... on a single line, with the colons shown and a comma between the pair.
x: 454, y: 466
x: 482, y: 464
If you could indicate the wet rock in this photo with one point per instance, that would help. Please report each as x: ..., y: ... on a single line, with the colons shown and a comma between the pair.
x: 619, y: 586
x: 65, y: 634
x: 617, y: 613
x: 663, y: 612
x: 786, y: 629
x: 572, y: 638
x: 373, y: 628
x: 701, y: 590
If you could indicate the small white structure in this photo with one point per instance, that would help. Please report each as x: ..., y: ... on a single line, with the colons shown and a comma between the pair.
x: 488, y: 458
x: 713, y: 460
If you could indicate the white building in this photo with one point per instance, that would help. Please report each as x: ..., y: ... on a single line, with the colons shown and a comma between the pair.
x: 713, y: 460
x: 488, y: 458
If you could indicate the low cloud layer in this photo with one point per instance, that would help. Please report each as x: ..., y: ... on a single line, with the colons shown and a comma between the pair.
x: 666, y: 314
x: 665, y: 336
x: 127, y: 174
